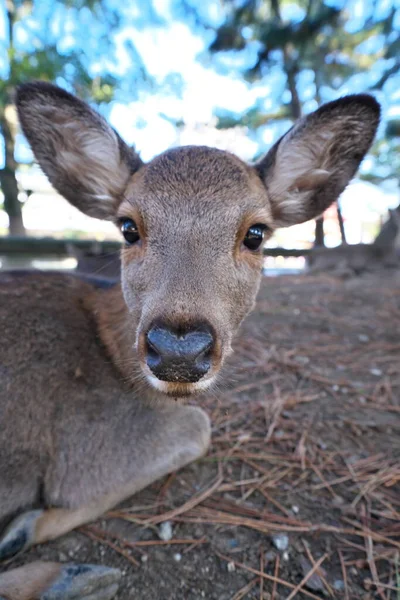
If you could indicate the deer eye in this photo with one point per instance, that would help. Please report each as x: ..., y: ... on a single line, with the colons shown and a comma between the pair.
x: 254, y: 236
x: 129, y: 230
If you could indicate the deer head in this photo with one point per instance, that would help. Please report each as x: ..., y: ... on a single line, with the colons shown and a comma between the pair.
x: 194, y: 219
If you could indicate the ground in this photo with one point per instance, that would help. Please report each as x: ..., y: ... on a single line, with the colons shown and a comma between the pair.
x: 303, y: 470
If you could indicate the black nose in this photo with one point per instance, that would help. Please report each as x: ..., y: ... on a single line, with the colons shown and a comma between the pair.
x: 179, y: 356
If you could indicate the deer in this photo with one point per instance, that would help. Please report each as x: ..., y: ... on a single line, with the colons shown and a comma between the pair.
x: 96, y: 380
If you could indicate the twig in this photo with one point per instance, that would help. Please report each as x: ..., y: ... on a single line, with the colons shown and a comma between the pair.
x: 320, y: 574
x: 276, y: 571
x: 106, y: 542
x: 306, y: 578
x: 265, y: 575
x: 245, y: 589
x: 344, y: 572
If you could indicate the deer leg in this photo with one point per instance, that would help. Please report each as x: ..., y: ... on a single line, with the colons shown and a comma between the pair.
x: 162, y: 441
x: 39, y: 526
x: 53, y: 581
x: 177, y: 436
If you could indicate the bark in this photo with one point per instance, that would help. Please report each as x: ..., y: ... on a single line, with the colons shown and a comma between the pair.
x: 291, y: 70
x: 8, y: 180
x: 341, y: 223
x: 319, y: 233
x: 12, y: 205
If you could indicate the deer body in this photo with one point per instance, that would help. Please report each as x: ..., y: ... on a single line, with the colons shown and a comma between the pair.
x: 90, y: 377
x: 67, y: 447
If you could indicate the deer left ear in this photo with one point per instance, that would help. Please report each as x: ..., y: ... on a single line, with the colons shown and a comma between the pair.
x: 83, y: 157
x: 310, y: 166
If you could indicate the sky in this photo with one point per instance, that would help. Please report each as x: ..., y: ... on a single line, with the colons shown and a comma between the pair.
x: 171, y: 45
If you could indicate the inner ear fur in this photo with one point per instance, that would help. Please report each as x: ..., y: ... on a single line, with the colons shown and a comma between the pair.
x: 310, y: 166
x: 83, y: 157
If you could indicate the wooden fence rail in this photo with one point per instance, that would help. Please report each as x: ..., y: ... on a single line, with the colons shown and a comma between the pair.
x: 29, y: 246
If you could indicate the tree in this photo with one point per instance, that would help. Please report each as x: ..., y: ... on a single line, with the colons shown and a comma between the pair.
x: 40, y: 45
x: 319, y: 49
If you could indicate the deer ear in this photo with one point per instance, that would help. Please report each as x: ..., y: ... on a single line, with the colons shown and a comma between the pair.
x: 310, y: 166
x: 83, y: 157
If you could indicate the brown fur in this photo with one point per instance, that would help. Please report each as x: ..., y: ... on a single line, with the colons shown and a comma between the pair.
x: 38, y: 575
x: 77, y: 427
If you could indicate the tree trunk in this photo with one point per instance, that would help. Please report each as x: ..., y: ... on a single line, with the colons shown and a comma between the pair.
x: 290, y: 67
x: 291, y: 72
x: 319, y: 232
x: 12, y: 205
x: 341, y: 223
x: 8, y: 181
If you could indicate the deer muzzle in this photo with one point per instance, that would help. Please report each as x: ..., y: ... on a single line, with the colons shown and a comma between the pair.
x: 179, y: 356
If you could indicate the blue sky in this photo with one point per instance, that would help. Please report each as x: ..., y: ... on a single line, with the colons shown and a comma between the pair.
x: 174, y: 49
x: 151, y: 33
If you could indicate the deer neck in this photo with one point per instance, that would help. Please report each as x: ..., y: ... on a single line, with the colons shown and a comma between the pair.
x: 116, y: 328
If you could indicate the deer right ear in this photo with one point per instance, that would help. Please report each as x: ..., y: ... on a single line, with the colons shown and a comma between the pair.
x: 83, y: 157
x: 310, y: 166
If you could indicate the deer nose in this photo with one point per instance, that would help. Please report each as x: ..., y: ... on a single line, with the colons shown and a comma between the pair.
x: 180, y: 357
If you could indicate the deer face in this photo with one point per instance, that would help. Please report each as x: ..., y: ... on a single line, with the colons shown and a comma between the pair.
x: 194, y: 219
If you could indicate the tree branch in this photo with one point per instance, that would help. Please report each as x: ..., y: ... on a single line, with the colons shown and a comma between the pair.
x: 387, y: 75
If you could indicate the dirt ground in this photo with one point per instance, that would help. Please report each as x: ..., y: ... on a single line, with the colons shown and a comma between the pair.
x: 304, y: 467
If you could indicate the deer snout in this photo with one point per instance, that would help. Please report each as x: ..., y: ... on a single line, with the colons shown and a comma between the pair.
x: 179, y: 356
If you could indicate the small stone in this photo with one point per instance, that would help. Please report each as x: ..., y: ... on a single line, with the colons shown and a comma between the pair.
x: 362, y: 400
x: 285, y: 556
x: 314, y: 582
x: 144, y: 558
x: 338, y: 501
x: 338, y: 585
x: 269, y: 556
x: 295, y: 509
x: 280, y: 541
x: 302, y: 360
x: 178, y: 557
x: 375, y: 372
x: 363, y: 338
x: 335, y: 388
x: 165, y: 531
x: 231, y: 567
